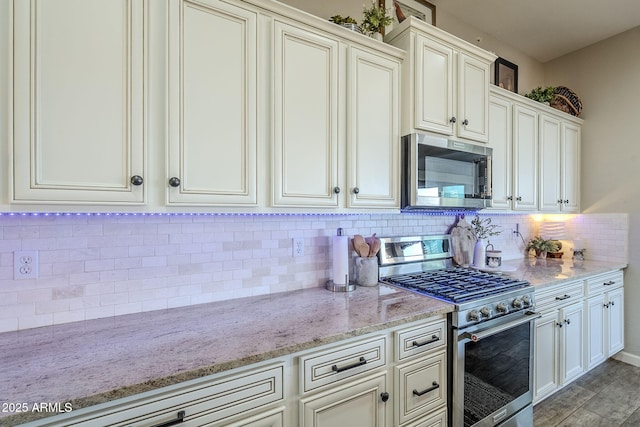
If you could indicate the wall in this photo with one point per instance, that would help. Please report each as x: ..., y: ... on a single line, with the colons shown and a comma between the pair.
x: 606, y: 76
x: 94, y: 266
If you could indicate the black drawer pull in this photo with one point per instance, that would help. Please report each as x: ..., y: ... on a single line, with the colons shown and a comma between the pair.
x: 563, y: 297
x: 178, y: 420
x: 435, y: 385
x: 609, y: 283
x: 362, y: 361
x: 433, y: 339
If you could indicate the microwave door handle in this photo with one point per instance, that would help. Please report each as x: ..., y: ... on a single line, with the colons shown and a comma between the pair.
x: 477, y: 336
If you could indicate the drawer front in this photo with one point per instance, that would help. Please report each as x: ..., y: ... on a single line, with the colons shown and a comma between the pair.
x: 339, y: 363
x: 605, y: 282
x: 556, y: 296
x: 196, y: 402
x: 435, y: 419
x: 420, y: 339
x: 421, y: 386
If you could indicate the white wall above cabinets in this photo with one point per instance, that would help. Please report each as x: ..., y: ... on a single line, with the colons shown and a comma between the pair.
x: 78, y: 131
x: 445, y: 82
x: 239, y: 106
x: 536, y: 155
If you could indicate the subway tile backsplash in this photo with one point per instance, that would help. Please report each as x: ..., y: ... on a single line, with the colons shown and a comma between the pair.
x: 93, y: 266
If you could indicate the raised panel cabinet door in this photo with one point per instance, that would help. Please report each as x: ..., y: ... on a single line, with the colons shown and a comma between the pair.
x: 546, y: 352
x: 572, y: 347
x: 78, y: 77
x: 550, y: 167
x: 434, y: 108
x: 595, y: 345
x: 616, y: 321
x: 570, y: 167
x: 500, y: 128
x: 525, y: 158
x: 473, y: 99
x: 212, y: 71
x: 356, y: 404
x: 305, y: 118
x: 373, y: 130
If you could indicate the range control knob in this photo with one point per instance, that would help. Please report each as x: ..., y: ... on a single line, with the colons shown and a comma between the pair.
x: 485, y: 312
x: 501, y: 308
x: 526, y: 300
x: 517, y: 303
x: 473, y: 316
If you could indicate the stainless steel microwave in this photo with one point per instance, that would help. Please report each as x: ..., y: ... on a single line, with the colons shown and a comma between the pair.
x: 442, y: 173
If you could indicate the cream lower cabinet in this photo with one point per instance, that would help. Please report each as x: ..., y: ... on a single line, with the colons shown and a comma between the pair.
x: 324, y: 87
x: 445, y: 82
x: 79, y: 106
x: 559, y: 338
x: 605, y: 317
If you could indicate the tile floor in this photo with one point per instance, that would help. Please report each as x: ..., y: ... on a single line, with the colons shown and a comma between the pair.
x: 607, y: 396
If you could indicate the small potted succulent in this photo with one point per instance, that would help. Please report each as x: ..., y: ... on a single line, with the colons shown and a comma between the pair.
x: 375, y: 19
x: 542, y: 246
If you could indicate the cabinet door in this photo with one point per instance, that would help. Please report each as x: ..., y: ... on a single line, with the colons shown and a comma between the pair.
x: 434, y: 86
x: 473, y: 99
x: 595, y: 345
x: 525, y: 158
x: 305, y: 117
x: 546, y: 363
x: 572, y: 342
x: 500, y: 128
x: 357, y: 404
x: 78, y: 101
x: 616, y: 321
x: 373, y: 130
x: 550, y: 168
x: 212, y: 103
x: 570, y: 168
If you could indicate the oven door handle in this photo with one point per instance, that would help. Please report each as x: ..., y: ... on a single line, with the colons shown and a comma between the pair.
x: 477, y: 336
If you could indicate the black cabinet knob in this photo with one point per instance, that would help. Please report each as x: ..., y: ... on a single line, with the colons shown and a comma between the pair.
x: 174, y: 181
x: 466, y: 122
x: 452, y: 120
x: 384, y: 396
x: 136, y: 180
x: 356, y: 190
x: 336, y: 190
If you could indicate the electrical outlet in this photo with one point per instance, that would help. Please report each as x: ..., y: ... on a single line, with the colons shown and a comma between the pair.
x: 25, y: 265
x: 298, y: 246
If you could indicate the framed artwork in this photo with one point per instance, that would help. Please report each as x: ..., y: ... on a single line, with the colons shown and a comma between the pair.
x: 506, y: 75
x: 401, y: 9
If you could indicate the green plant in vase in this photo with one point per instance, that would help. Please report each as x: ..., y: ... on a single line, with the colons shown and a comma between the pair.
x: 542, y: 95
x: 375, y: 19
x: 542, y: 246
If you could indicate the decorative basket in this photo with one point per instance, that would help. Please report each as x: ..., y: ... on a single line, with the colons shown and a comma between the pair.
x: 566, y: 100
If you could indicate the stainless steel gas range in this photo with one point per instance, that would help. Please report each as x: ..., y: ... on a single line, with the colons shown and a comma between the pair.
x: 490, y: 330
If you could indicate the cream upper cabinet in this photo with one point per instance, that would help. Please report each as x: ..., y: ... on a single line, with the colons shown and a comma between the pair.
x: 79, y: 78
x: 445, y: 82
x: 525, y: 158
x: 212, y: 100
x: 550, y: 171
x: 501, y: 130
x: 570, y: 167
x: 305, y: 117
x: 373, y: 130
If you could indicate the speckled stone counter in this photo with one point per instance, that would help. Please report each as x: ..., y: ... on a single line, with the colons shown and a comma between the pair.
x: 95, y: 361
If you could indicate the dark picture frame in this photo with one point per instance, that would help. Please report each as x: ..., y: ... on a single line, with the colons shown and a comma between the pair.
x: 421, y: 9
x: 506, y: 75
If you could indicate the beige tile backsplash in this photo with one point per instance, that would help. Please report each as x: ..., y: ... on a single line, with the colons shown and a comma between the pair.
x: 94, y: 266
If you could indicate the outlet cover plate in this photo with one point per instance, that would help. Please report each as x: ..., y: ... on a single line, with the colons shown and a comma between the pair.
x: 25, y: 265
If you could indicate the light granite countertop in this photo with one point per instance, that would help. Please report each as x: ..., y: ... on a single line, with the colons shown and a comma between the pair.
x: 100, y: 360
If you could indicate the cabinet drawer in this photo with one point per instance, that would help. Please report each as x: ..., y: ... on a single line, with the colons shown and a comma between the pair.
x: 559, y: 295
x: 436, y: 419
x: 201, y: 401
x: 603, y: 283
x: 421, y: 386
x: 338, y: 363
x: 420, y: 339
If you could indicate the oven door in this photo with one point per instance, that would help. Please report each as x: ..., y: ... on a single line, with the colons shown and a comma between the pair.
x: 492, y: 372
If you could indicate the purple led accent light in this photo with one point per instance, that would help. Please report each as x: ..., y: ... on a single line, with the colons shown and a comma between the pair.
x: 107, y: 214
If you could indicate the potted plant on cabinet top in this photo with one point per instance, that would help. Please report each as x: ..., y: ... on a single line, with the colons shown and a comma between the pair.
x: 375, y: 19
x: 542, y: 95
x: 542, y: 246
x: 347, y: 22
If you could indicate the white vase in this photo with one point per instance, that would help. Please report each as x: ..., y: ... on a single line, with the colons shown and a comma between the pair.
x: 480, y: 253
x: 376, y: 36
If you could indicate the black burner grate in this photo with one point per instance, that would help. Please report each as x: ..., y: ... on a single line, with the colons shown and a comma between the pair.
x: 456, y: 285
